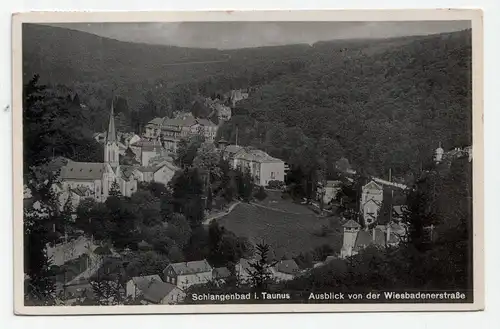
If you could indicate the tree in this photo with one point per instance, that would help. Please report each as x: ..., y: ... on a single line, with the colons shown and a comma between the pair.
x: 208, y: 159
x: 187, y: 149
x: 244, y: 182
x: 260, y: 270
x: 115, y: 189
x: 146, y: 263
x: 187, y: 195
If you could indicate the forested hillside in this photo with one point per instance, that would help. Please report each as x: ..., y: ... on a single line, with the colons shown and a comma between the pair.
x: 380, y: 103
x: 387, y: 109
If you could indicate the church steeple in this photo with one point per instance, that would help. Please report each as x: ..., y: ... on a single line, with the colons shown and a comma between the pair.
x: 111, y: 150
x: 111, y: 135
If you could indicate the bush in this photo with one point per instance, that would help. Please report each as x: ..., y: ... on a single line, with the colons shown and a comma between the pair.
x: 275, y: 185
x: 261, y: 194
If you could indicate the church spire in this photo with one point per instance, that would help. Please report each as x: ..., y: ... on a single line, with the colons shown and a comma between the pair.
x: 111, y: 135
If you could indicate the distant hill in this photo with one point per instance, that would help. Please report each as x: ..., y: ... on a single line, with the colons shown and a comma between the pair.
x: 383, y: 103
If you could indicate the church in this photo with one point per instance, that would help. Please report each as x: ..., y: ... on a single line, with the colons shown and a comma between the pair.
x: 80, y: 180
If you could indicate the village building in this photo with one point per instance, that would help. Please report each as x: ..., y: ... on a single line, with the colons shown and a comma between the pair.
x: 372, y: 195
x: 145, y: 150
x: 329, y: 191
x: 151, y: 289
x: 184, y: 126
x: 153, y: 128
x: 263, y: 167
x: 186, y: 274
x: 234, y: 96
x: 136, y: 285
x: 161, y: 173
x: 355, y: 238
x: 285, y: 270
x: 220, y: 275
x: 162, y: 293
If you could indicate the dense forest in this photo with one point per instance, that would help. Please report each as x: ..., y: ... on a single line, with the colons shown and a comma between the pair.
x: 379, y: 103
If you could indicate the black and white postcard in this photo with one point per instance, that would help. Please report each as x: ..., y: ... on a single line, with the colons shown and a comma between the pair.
x: 221, y: 162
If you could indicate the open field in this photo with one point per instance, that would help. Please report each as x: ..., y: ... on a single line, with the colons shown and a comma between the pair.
x: 287, y: 233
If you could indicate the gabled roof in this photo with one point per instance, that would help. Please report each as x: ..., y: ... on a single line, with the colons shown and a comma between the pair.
x: 181, y: 121
x: 158, y: 290
x: 82, y: 170
x: 233, y: 149
x: 127, y: 172
x: 156, y: 121
x: 351, y: 224
x: 372, y: 185
x: 143, y: 282
x: 193, y: 267
x: 288, y: 266
x: 221, y: 273
x: 365, y: 238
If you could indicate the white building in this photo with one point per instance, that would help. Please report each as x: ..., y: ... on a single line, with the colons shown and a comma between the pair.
x: 372, y: 195
x: 152, y: 290
x: 186, y: 274
x: 263, y: 167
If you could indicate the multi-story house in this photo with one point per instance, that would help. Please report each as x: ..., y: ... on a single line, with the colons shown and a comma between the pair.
x: 184, y: 126
x: 186, y: 274
x: 263, y: 167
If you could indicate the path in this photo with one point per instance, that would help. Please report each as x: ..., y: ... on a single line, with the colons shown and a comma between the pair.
x: 221, y: 214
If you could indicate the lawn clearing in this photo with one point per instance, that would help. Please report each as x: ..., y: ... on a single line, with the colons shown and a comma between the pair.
x: 287, y: 233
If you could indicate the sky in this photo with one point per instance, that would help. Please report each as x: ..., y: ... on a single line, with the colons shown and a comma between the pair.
x: 231, y: 35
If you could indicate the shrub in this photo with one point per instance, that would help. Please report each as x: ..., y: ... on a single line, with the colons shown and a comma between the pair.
x: 275, y: 185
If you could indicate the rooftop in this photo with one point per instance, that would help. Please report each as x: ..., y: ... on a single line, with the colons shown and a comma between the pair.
x: 287, y: 266
x: 157, y: 290
x: 193, y: 267
x: 351, y: 224
x: 221, y: 273
x: 82, y: 170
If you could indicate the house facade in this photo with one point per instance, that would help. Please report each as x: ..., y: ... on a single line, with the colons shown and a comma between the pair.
x: 185, y: 274
x: 372, y: 195
x: 136, y: 286
x: 152, y: 290
x: 184, y: 126
x: 285, y: 270
x: 153, y: 128
x: 145, y: 150
x: 263, y: 167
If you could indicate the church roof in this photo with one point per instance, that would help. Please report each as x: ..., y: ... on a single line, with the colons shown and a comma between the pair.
x: 82, y: 170
x: 111, y: 134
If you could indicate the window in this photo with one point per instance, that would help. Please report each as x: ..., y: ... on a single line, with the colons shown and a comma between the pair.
x: 272, y: 175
